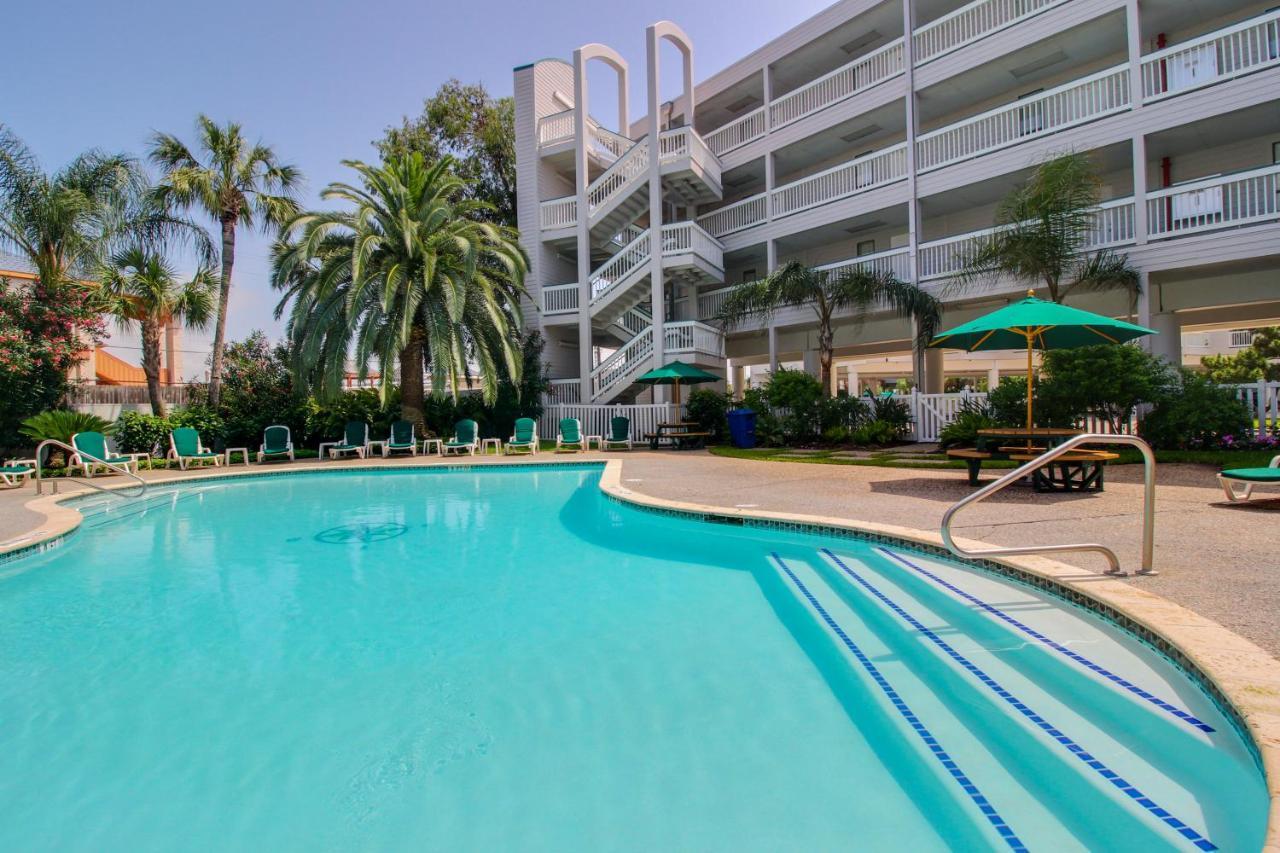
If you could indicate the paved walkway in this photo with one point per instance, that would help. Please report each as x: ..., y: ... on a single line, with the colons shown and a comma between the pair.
x: 1220, y: 560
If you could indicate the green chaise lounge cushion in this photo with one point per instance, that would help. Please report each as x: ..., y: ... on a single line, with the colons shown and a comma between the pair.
x: 186, y: 441
x: 275, y: 440
x: 354, y: 437
x: 464, y: 434
x: 1254, y: 475
x: 401, y: 435
x: 95, y: 444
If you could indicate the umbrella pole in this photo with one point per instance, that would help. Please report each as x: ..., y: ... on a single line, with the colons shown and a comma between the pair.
x: 1030, y: 387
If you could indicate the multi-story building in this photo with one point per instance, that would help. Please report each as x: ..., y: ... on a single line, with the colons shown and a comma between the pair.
x: 885, y: 134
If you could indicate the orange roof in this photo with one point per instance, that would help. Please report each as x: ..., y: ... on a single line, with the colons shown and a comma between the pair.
x: 112, y: 370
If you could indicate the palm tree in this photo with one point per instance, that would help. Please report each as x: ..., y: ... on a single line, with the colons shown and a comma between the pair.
x: 406, y: 274
x: 62, y: 223
x: 829, y: 292
x: 236, y: 184
x: 1043, y: 230
x: 139, y: 286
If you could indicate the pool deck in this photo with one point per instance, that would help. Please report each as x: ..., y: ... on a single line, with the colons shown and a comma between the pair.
x: 1216, y: 560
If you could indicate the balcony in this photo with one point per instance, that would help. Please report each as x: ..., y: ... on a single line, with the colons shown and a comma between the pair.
x: 858, y: 175
x: 971, y: 23
x: 1224, y: 201
x: 603, y: 144
x: 1243, y: 48
x: 936, y: 259
x: 1064, y: 106
x: 560, y: 299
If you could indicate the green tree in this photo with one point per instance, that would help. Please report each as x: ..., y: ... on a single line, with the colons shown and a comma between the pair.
x: 405, y: 274
x: 236, y: 184
x: 1105, y: 381
x: 1043, y: 231
x: 43, y: 335
x: 1260, y: 360
x: 141, y: 288
x: 478, y: 131
x: 857, y: 290
x: 257, y: 391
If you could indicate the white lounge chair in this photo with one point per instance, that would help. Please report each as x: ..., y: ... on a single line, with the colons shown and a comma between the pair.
x: 277, y: 441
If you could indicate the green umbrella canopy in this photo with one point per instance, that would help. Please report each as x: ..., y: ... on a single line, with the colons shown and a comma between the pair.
x: 1039, y: 324
x: 677, y: 372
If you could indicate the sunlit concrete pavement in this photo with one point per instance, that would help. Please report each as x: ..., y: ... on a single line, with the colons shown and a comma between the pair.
x: 1220, y: 560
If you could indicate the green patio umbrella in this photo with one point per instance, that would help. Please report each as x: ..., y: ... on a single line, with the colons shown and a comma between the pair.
x: 677, y: 373
x: 1037, y: 325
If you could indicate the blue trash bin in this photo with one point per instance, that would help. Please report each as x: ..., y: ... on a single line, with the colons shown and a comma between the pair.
x: 742, y: 428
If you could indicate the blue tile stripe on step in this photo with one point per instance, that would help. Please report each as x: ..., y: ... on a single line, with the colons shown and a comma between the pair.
x: 979, y: 799
x: 1095, y: 668
x: 1022, y: 708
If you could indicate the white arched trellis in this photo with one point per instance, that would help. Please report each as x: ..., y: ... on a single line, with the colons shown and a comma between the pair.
x: 582, y: 112
x: 656, y: 33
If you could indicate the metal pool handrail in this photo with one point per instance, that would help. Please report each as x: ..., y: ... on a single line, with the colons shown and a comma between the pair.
x: 122, y: 493
x: 1148, y: 506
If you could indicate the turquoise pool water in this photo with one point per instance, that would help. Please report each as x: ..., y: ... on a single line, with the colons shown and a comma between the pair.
x: 506, y: 659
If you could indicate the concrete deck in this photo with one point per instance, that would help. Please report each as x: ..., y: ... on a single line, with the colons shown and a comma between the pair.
x: 1220, y: 560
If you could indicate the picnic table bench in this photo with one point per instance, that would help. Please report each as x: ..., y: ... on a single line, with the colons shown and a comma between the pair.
x: 681, y: 436
x: 1079, y: 470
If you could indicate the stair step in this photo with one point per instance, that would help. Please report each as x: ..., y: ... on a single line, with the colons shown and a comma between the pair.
x: 1080, y: 760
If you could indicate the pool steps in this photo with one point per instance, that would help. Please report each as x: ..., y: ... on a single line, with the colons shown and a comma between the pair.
x: 1066, y: 800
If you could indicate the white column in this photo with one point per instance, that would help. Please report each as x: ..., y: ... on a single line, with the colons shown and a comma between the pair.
x: 173, y: 351
x: 581, y: 180
x: 852, y: 373
x: 771, y: 263
x: 737, y: 378
x: 656, y: 284
x: 993, y: 377
x: 768, y: 187
x: 1133, y: 30
x: 935, y: 372
x: 834, y: 380
x: 767, y: 88
x: 1167, y: 343
x: 812, y: 363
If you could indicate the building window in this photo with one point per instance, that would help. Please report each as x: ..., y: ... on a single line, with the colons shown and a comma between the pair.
x: 1241, y: 337
x: 1275, y: 152
x: 749, y: 275
x: 866, y: 247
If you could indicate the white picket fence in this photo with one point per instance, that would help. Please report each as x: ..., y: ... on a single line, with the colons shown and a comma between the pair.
x: 1263, y: 399
x: 644, y: 417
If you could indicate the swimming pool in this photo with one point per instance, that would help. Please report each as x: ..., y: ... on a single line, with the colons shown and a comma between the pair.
x: 505, y: 658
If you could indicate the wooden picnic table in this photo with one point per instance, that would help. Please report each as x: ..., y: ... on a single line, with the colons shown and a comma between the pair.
x: 680, y: 435
x: 1077, y: 471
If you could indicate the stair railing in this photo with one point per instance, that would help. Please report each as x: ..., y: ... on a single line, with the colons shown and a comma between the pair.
x: 88, y: 481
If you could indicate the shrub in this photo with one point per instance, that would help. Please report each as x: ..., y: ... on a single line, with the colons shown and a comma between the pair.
x: 963, y: 429
x: 894, y: 412
x: 843, y: 412
x: 1194, y: 413
x: 257, y: 391
x: 203, y: 420
x: 1007, y: 404
x: 327, y: 419
x: 876, y: 434
x: 61, y: 424
x: 708, y: 409
x: 1106, y: 381
x: 137, y: 432
x: 794, y: 399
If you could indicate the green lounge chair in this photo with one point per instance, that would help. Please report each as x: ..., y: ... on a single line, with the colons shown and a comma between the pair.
x: 466, y: 436
x: 276, y: 441
x: 1250, y: 477
x: 355, y: 439
x: 92, y: 452
x: 400, y: 439
x: 185, y: 446
x: 571, y: 433
x: 14, y: 471
x: 525, y: 437
x: 619, y: 433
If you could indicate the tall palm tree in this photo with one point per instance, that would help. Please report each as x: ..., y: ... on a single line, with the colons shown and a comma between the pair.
x: 828, y: 293
x: 236, y: 183
x: 140, y: 287
x: 1043, y: 230
x: 63, y: 223
x: 405, y: 274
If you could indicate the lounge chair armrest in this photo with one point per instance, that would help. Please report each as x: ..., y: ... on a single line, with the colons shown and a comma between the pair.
x: 1275, y: 461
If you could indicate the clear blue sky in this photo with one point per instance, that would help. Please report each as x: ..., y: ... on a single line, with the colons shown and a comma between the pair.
x: 318, y: 80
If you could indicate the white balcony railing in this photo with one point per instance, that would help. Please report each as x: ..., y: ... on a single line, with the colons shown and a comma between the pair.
x: 738, y: 132
x: 1239, y: 49
x: 690, y: 238
x: 895, y: 262
x: 624, y: 362
x: 560, y: 299
x: 1064, y: 106
x: 864, y: 173
x: 969, y: 23
x: 737, y: 216
x: 555, y: 128
x: 1219, y: 202
x: 1113, y: 226
x: 690, y: 336
x: 558, y: 212
x: 857, y: 76
x: 710, y: 303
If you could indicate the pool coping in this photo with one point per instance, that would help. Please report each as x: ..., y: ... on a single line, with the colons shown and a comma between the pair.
x: 1243, y: 677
